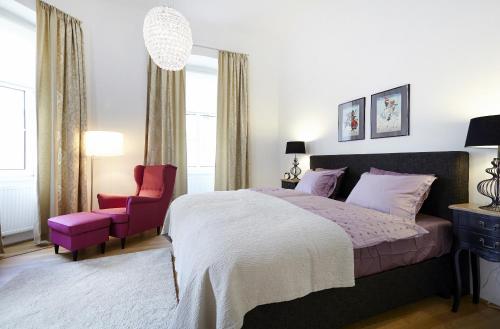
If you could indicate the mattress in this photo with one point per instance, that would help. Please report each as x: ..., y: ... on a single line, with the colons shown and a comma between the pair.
x: 386, y: 255
x: 389, y: 255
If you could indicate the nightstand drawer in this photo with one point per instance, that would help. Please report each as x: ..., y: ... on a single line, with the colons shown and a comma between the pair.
x: 289, y: 183
x: 486, y: 246
x: 482, y: 224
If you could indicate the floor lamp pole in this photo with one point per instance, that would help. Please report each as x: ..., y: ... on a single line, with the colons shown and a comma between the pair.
x: 91, y: 182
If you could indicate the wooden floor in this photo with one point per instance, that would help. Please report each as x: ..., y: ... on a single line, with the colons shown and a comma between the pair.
x: 431, y: 313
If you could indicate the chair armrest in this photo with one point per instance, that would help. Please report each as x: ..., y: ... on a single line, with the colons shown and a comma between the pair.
x: 139, y: 204
x: 141, y: 199
x: 112, y: 201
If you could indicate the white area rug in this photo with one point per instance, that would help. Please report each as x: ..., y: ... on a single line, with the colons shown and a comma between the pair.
x: 127, y: 291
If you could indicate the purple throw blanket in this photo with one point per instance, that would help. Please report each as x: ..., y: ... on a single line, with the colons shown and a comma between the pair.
x: 366, y: 227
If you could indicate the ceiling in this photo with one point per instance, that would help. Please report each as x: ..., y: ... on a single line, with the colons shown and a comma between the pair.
x: 248, y: 16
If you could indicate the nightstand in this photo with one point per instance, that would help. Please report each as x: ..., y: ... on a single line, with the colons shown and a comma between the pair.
x: 478, y: 232
x: 289, y: 183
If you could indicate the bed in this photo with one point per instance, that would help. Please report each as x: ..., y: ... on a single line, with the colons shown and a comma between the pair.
x: 384, y: 279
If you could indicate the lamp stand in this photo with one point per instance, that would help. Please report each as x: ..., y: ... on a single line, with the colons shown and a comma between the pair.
x: 91, y: 182
x: 295, y: 171
x: 491, y: 187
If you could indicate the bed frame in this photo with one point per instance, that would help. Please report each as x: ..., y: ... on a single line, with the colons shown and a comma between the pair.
x: 374, y: 294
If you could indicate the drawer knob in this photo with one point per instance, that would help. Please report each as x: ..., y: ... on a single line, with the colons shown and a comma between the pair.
x: 493, y: 229
x: 493, y: 246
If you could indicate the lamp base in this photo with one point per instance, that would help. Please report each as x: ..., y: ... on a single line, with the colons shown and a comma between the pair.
x: 295, y: 171
x: 491, y: 187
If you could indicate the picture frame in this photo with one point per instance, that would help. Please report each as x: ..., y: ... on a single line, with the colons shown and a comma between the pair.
x: 351, y: 120
x: 390, y: 113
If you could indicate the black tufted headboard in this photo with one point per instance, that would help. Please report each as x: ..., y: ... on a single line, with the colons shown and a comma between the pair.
x: 451, y: 168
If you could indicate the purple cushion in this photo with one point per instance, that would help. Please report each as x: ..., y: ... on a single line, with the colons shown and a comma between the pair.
x: 118, y: 215
x: 321, y: 183
x: 376, y: 171
x: 396, y: 195
x: 78, y: 223
x: 338, y: 181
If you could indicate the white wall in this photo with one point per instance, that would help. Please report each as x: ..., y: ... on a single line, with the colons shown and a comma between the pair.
x: 116, y: 65
x: 449, y: 51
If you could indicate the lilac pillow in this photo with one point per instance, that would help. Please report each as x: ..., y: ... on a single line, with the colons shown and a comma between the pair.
x: 321, y: 183
x: 396, y: 195
x: 376, y: 171
x: 338, y: 182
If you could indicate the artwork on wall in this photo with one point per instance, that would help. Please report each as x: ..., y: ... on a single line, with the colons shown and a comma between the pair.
x: 352, y: 120
x: 390, y: 113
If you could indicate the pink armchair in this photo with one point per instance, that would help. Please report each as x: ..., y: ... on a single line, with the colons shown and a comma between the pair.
x: 146, y: 209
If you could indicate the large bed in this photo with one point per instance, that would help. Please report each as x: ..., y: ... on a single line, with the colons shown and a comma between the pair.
x: 387, y: 274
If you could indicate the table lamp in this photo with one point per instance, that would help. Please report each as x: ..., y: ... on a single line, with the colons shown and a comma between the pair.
x: 101, y: 144
x: 485, y: 132
x: 295, y: 148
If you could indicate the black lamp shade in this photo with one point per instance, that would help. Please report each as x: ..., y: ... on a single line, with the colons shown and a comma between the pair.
x: 484, y: 131
x: 295, y: 148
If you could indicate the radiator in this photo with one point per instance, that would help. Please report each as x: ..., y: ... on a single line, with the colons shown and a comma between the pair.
x: 18, y: 206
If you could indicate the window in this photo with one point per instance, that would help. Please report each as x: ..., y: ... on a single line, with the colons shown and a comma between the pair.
x: 18, y: 200
x: 17, y: 96
x: 201, y: 122
x: 12, y: 129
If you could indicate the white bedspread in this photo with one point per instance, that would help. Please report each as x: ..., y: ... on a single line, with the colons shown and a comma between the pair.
x: 240, y: 249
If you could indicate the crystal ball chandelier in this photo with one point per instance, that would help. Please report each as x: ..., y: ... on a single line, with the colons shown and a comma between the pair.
x: 168, y: 38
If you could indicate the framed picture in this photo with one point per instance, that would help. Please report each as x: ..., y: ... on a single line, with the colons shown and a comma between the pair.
x: 352, y: 120
x: 390, y: 113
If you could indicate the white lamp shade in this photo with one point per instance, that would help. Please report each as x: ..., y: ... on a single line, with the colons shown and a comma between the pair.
x: 103, y: 143
x: 168, y: 38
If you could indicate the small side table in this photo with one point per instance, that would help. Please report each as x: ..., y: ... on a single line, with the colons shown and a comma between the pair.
x: 477, y: 231
x: 289, y: 183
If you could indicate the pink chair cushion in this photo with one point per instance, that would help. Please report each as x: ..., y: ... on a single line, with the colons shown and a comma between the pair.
x: 78, y: 223
x: 152, y: 182
x: 117, y: 215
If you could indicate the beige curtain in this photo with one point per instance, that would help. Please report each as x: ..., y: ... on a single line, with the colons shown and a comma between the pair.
x: 166, y: 122
x: 61, y: 116
x: 231, y: 164
x: 1, y: 244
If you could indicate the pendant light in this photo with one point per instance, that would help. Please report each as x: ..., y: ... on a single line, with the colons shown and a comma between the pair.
x: 168, y: 38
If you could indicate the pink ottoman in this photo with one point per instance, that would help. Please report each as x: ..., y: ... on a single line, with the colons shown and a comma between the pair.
x: 78, y: 231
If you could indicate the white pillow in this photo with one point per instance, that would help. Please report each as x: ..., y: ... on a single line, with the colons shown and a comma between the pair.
x: 395, y: 195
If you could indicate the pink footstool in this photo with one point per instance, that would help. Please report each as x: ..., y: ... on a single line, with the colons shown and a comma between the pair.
x: 78, y: 231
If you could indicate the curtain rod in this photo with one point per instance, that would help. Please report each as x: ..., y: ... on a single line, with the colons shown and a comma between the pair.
x: 212, y: 48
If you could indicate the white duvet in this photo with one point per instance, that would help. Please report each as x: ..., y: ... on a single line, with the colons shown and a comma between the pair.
x: 240, y: 249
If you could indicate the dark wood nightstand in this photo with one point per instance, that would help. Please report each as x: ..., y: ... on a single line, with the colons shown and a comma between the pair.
x: 477, y: 231
x: 289, y: 183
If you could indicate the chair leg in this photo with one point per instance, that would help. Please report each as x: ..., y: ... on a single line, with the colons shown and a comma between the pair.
x: 123, y: 242
x: 56, y: 248
x: 75, y: 255
x: 158, y: 230
x: 103, y: 247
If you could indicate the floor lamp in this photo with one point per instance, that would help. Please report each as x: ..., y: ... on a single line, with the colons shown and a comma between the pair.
x: 101, y: 144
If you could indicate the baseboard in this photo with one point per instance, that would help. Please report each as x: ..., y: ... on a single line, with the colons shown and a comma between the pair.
x: 17, y: 237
